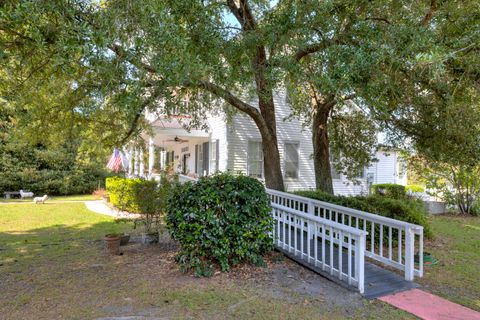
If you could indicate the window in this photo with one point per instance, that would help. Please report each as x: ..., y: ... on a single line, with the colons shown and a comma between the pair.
x: 255, y: 159
x: 361, y: 174
x: 199, y: 159
x: 402, y: 168
x: 291, y: 160
x: 335, y: 173
x: 214, y: 156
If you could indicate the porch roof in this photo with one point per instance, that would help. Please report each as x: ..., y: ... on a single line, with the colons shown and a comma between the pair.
x: 172, y: 126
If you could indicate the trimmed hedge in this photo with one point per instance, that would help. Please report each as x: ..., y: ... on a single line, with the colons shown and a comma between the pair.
x: 415, y: 188
x: 390, y: 190
x: 412, y: 211
x: 222, y: 219
x: 133, y: 195
x: 54, y: 182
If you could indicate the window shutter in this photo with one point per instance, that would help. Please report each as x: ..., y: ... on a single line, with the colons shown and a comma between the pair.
x: 196, y: 159
x: 217, y: 155
x: 205, y: 157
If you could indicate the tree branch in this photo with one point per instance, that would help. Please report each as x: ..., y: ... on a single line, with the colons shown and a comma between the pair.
x: 379, y: 19
x: 138, y: 114
x: 300, y: 54
x: 231, y: 99
x: 243, y: 14
x: 429, y: 15
x: 123, y: 54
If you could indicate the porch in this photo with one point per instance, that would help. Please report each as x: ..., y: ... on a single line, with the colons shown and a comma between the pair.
x: 171, y: 147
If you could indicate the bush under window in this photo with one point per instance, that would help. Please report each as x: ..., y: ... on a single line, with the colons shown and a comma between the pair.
x: 220, y: 220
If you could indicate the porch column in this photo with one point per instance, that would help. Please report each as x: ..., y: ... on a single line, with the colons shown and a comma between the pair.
x: 151, y: 156
x: 135, y: 161
x: 141, y: 164
x: 130, y: 160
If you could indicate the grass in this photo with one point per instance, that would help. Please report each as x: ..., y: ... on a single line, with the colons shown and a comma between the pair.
x: 457, y: 247
x: 52, y: 266
x: 78, y: 197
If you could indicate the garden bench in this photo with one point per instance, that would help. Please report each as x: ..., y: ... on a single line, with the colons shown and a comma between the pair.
x: 26, y: 194
x: 10, y: 194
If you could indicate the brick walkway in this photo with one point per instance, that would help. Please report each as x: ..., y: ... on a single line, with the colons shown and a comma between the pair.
x: 429, y: 307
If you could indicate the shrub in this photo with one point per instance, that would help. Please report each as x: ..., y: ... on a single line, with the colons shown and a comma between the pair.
x: 390, y: 190
x: 145, y: 197
x: 133, y: 195
x: 78, y: 180
x: 222, y: 219
x: 415, y: 188
x: 412, y: 211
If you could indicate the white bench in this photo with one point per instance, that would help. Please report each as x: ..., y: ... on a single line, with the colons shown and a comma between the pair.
x: 26, y: 194
x: 10, y: 194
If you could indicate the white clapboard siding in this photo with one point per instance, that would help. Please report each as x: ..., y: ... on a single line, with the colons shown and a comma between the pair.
x: 218, y: 131
x: 345, y: 187
x: 243, y: 129
x: 386, y: 170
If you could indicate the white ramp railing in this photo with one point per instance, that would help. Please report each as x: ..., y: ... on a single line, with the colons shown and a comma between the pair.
x: 335, y: 248
x: 388, y: 241
x: 183, y: 178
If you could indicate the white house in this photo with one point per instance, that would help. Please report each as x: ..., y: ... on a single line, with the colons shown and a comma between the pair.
x: 236, y: 146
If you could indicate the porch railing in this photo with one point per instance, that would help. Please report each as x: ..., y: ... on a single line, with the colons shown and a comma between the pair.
x: 388, y: 241
x: 183, y: 178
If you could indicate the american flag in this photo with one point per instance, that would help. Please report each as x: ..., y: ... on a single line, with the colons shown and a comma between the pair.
x: 115, y: 162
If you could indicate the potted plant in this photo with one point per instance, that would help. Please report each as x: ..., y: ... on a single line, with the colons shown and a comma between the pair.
x: 124, y: 239
x: 112, y: 243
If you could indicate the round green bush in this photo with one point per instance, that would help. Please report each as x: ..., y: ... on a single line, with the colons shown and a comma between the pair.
x: 220, y: 220
x: 390, y: 190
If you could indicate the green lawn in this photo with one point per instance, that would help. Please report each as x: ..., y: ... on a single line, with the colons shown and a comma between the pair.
x: 52, y: 266
x: 457, y: 246
x: 78, y: 197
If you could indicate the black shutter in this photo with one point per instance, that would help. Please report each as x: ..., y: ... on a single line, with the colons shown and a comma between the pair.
x: 205, y: 157
x: 217, y: 155
x: 196, y: 158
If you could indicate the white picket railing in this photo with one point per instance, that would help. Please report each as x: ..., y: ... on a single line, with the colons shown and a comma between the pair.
x: 321, y: 242
x: 183, y: 178
x: 383, y: 233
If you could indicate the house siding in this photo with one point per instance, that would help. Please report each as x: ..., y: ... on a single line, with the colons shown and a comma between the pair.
x: 218, y: 131
x: 242, y: 129
x: 385, y: 170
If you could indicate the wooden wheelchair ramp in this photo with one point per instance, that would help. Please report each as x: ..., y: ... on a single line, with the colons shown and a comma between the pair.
x: 342, y: 243
x: 378, y: 281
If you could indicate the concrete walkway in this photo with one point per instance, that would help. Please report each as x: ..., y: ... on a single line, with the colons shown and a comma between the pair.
x: 429, y: 307
x: 99, y: 206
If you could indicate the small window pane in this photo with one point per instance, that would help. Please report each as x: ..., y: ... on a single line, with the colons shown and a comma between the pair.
x: 335, y: 173
x: 255, y: 159
x: 291, y: 160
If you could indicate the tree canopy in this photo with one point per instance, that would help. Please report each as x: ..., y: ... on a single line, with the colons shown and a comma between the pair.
x: 92, y: 69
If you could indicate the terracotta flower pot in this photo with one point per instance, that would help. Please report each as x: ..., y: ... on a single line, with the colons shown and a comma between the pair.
x: 112, y: 244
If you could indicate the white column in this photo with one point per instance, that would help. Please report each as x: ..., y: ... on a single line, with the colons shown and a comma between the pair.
x: 135, y: 161
x: 141, y: 164
x: 130, y: 161
x: 151, y: 157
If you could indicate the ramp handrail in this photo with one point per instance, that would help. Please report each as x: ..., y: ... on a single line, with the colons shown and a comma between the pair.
x: 383, y: 232
x: 293, y: 231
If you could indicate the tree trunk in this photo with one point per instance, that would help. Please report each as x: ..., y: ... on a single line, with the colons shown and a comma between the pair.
x: 271, y: 162
x: 271, y: 156
x: 321, y: 153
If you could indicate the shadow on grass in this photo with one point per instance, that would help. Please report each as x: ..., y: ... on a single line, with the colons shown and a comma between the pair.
x: 28, y: 247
